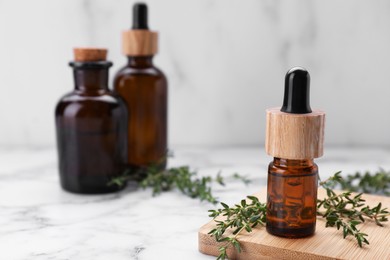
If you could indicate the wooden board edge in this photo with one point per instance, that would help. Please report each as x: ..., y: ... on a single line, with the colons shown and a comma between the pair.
x: 207, y: 246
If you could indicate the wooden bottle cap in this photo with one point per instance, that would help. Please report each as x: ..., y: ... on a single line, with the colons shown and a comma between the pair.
x: 139, y: 42
x: 90, y: 54
x: 295, y: 136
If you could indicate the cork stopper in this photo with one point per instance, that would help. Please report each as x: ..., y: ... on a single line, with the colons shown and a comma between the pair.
x: 89, y: 54
x: 139, y: 41
x: 294, y: 131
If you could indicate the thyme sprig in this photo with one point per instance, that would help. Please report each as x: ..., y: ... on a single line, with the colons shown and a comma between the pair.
x: 344, y: 211
x: 184, y: 179
x: 240, y: 217
x: 367, y: 182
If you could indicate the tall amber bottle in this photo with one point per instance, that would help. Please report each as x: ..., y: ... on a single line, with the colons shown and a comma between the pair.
x: 91, y: 124
x: 294, y: 138
x: 144, y: 88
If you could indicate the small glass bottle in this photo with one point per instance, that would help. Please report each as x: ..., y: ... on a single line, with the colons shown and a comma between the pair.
x: 91, y: 127
x: 144, y: 88
x: 294, y: 138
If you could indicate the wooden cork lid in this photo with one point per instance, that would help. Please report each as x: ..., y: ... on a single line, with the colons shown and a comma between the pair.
x: 139, y: 42
x: 295, y: 136
x: 89, y: 54
x: 294, y: 131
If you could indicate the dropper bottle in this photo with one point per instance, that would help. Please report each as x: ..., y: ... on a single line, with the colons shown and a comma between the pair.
x: 294, y: 137
x: 145, y: 90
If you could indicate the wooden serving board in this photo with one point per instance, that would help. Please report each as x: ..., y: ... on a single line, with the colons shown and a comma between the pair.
x: 327, y: 243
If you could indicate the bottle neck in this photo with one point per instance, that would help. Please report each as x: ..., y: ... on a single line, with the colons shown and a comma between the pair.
x: 140, y: 61
x: 91, y: 76
x: 279, y: 162
x: 91, y: 79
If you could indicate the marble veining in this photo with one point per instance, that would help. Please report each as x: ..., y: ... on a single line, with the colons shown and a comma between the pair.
x: 38, y: 220
x: 225, y: 62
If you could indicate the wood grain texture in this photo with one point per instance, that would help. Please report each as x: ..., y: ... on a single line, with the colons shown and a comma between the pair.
x: 89, y: 54
x: 294, y: 136
x: 139, y: 42
x: 327, y: 243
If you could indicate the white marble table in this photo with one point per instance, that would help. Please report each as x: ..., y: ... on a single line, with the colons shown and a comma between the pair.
x: 38, y: 220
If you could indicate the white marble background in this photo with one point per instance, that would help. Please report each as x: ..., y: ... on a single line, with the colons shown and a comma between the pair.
x: 225, y: 60
x: 40, y: 221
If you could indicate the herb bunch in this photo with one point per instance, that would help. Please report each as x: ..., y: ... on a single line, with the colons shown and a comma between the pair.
x: 343, y: 211
x: 373, y: 183
x: 182, y: 178
x: 243, y: 216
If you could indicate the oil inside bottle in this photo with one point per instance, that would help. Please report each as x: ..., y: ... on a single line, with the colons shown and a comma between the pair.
x: 292, y: 193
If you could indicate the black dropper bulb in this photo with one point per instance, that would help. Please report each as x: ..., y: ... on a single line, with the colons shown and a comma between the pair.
x: 297, y: 92
x: 140, y: 16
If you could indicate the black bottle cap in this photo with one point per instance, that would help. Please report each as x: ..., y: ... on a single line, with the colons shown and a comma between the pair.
x: 297, y: 92
x: 140, y: 16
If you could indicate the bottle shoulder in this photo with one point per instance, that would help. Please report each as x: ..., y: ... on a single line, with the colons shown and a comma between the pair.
x: 292, y: 169
x: 77, y: 101
x: 98, y: 96
x: 129, y: 71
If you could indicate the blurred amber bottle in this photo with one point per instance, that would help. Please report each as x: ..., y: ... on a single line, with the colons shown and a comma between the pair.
x: 294, y: 138
x: 91, y: 127
x: 144, y: 88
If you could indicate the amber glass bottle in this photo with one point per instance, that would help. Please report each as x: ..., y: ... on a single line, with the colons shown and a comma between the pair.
x: 292, y: 193
x: 144, y: 88
x: 91, y: 127
x: 294, y: 138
